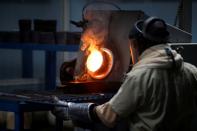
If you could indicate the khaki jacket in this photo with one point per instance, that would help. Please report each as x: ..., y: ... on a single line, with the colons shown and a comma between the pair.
x: 157, y: 94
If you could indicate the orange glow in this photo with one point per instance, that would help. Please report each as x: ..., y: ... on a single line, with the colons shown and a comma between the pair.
x: 94, y: 60
x: 99, y: 60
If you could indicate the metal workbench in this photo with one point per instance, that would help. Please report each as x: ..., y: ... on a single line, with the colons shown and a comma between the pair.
x: 19, y: 107
x: 22, y: 101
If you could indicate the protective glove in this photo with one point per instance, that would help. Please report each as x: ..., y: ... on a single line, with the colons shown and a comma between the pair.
x: 61, y: 110
x: 75, y: 111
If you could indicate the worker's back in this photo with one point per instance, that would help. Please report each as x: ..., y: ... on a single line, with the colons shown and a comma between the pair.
x: 180, y: 94
x: 159, y: 92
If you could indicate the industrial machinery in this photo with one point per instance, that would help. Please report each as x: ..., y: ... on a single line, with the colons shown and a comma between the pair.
x: 102, y: 62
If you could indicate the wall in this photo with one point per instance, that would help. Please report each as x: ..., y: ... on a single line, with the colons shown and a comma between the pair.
x: 194, y: 21
x: 166, y: 10
x: 13, y: 10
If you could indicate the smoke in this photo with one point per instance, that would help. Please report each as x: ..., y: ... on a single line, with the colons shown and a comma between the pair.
x: 95, y: 34
x: 98, y: 16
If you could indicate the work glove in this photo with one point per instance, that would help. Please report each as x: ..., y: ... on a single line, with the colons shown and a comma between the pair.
x: 61, y: 110
x: 74, y: 111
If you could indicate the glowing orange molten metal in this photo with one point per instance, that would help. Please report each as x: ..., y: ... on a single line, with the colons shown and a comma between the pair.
x: 94, y: 60
x: 99, y: 60
x: 99, y: 63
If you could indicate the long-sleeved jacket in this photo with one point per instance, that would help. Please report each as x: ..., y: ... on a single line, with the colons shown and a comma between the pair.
x: 157, y: 95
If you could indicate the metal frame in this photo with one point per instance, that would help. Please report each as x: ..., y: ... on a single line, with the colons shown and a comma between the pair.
x: 50, y: 78
x: 50, y: 58
x: 19, y: 107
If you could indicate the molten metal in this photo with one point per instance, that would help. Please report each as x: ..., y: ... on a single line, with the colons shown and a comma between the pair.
x: 94, y: 60
x: 99, y: 60
x: 99, y: 63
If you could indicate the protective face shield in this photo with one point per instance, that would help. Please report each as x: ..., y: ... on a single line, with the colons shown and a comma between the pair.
x: 153, y: 29
x: 134, y: 53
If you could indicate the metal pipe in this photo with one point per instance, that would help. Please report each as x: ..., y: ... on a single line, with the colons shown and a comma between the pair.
x: 50, y: 100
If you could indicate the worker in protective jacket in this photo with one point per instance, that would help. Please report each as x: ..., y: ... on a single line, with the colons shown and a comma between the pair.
x: 159, y: 92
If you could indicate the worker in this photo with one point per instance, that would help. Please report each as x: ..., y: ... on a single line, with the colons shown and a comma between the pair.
x: 158, y: 93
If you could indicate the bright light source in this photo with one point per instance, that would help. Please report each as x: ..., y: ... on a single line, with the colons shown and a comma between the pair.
x: 94, y: 60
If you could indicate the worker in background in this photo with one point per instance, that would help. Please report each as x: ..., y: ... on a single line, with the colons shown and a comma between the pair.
x: 158, y: 93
